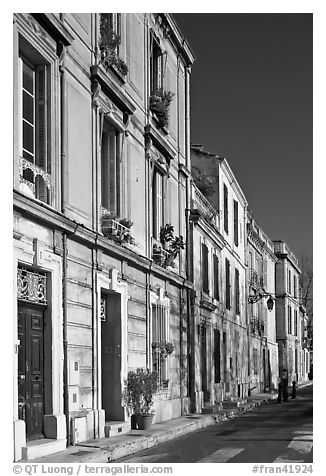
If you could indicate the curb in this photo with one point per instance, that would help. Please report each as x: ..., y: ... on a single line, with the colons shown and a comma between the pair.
x: 140, y: 443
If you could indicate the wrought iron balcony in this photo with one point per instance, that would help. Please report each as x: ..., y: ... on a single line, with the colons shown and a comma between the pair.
x: 257, y: 280
x: 257, y: 326
x: 34, y: 180
x: 201, y: 203
x: 113, y: 228
x: 162, y: 257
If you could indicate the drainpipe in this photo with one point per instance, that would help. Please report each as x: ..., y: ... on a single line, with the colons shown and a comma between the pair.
x: 190, y: 323
x: 63, y: 120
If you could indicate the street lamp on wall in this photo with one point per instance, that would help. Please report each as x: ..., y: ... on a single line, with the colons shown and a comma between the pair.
x: 252, y: 299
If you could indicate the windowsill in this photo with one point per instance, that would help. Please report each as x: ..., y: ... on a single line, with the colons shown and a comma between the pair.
x: 156, y: 121
x: 112, y: 86
x: 27, y: 192
x: 114, y: 70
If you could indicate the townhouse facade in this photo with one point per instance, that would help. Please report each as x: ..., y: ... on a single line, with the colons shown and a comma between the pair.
x: 206, y: 362
x: 101, y: 166
x: 215, y: 177
x: 263, y: 347
x: 125, y: 238
x: 288, y: 315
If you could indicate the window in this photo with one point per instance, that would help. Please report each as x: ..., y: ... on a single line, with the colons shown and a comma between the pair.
x: 295, y: 323
x: 226, y: 209
x: 224, y: 352
x: 255, y: 361
x: 289, y: 281
x: 104, y: 307
x: 237, y: 291
x: 289, y: 320
x: 113, y: 21
x: 158, y: 203
x: 217, y: 356
x: 295, y: 286
x: 236, y: 222
x: 160, y: 335
x: 227, y: 284
x: 111, y: 169
x: 204, y: 257
x: 251, y: 261
x: 35, y: 163
x: 156, y: 67
x: 216, y: 278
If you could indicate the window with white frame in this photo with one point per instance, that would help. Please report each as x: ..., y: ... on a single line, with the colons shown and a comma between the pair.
x: 289, y: 319
x: 156, y: 67
x: 237, y: 291
x: 158, y: 203
x: 34, y: 114
x: 160, y: 345
x: 112, y: 21
x: 111, y: 168
x: 255, y: 361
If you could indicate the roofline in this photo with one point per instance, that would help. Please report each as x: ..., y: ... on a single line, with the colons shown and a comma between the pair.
x: 223, y: 160
x: 180, y: 39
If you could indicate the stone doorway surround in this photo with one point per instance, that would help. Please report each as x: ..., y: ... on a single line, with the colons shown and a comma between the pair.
x: 33, y: 253
x: 109, y: 282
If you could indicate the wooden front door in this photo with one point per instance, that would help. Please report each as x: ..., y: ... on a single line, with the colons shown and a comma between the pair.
x: 30, y: 369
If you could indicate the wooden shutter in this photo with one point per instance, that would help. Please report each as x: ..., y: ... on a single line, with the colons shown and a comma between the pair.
x: 105, y: 171
x: 216, y: 278
x: 158, y: 201
x: 217, y: 356
x: 41, y: 124
x: 227, y: 284
x: 226, y: 209
x: 237, y: 291
x: 112, y: 163
x: 236, y: 222
x: 205, y: 267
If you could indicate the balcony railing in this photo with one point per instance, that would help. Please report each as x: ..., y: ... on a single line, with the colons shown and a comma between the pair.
x: 257, y: 326
x: 162, y: 257
x: 257, y: 280
x: 203, y: 205
x: 33, y: 179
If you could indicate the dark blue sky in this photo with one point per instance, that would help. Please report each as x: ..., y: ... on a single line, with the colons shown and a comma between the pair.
x: 251, y: 102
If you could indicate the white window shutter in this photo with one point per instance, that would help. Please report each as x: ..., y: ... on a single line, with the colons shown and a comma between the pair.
x: 41, y: 134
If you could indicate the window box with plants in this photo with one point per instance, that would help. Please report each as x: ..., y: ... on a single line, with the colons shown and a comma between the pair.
x: 140, y: 388
x: 168, y: 248
x: 159, y: 104
x: 117, y: 228
x: 108, y: 44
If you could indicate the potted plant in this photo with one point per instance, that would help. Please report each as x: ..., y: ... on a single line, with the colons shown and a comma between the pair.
x: 138, y: 396
x: 107, y: 224
x: 159, y: 104
x: 163, y: 348
x: 171, y: 243
x: 109, y: 43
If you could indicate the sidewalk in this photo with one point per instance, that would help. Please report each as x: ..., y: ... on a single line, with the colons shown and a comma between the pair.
x: 104, y: 450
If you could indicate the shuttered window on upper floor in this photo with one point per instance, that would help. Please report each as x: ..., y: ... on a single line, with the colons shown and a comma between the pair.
x: 34, y: 110
x: 236, y: 222
x: 226, y: 208
x: 216, y: 277
x: 205, y: 268
x: 111, y: 165
x: 227, y: 285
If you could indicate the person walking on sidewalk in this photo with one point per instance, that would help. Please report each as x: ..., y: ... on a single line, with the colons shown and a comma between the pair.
x: 285, y: 383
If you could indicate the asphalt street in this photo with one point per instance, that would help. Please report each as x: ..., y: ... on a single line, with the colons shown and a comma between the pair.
x: 272, y: 433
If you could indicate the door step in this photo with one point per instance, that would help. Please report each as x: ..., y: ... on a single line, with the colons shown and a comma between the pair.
x: 208, y: 409
x: 116, y: 428
x: 42, y: 447
x: 234, y: 402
